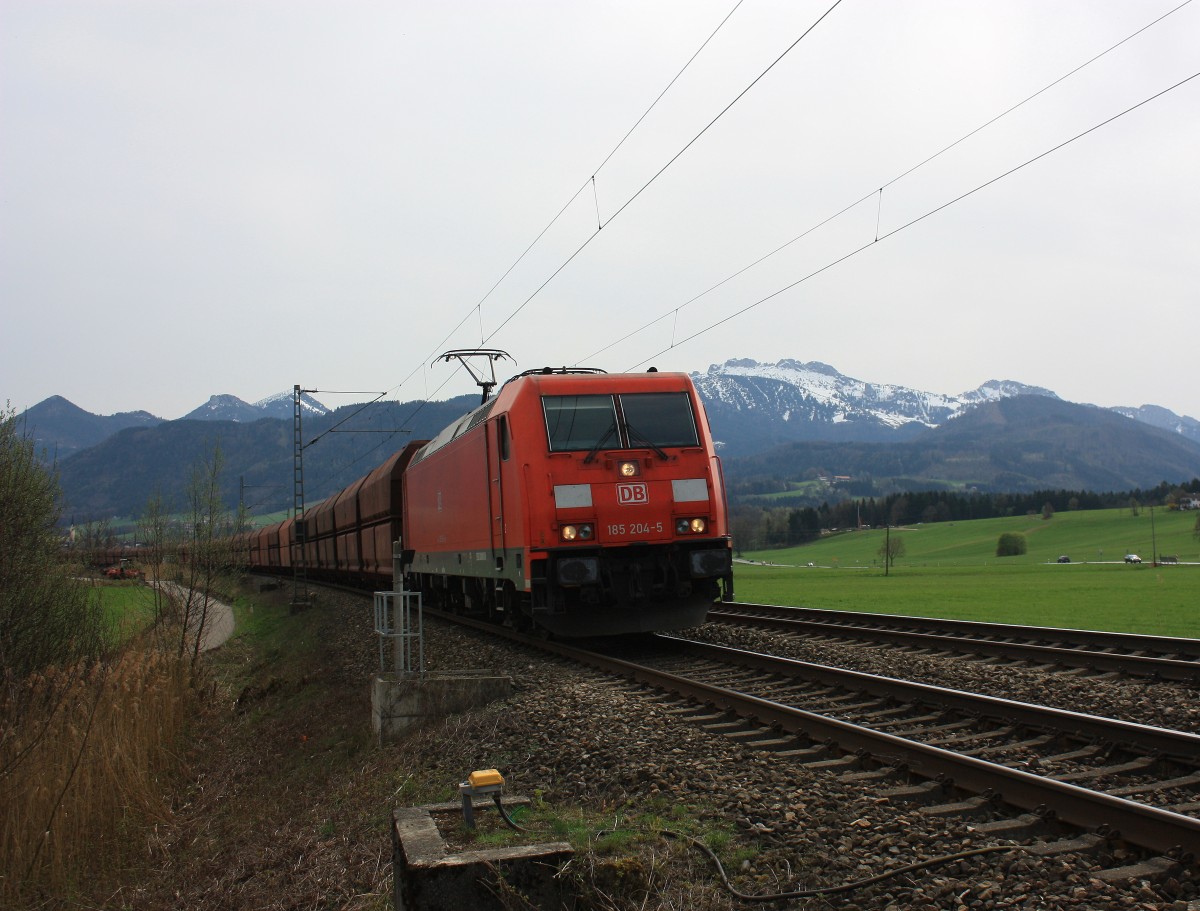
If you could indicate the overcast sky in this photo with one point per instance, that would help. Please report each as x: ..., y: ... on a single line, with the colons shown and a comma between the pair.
x: 234, y: 197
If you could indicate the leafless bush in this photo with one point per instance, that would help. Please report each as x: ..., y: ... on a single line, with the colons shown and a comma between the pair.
x: 84, y: 772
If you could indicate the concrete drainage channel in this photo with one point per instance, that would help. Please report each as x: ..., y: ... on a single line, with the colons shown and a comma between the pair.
x: 427, y: 876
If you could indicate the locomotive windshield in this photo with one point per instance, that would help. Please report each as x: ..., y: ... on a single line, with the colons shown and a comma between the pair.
x: 577, y: 423
x: 659, y: 419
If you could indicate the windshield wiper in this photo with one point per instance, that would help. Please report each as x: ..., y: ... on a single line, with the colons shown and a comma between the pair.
x: 636, y: 435
x: 591, y: 456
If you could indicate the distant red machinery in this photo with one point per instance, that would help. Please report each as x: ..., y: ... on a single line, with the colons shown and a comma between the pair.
x: 580, y: 502
x: 115, y: 562
x: 123, y: 569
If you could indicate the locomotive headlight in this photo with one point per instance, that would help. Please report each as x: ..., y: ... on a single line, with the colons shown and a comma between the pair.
x: 585, y: 532
x: 695, y: 526
x: 629, y: 469
x: 569, y: 532
x: 577, y: 532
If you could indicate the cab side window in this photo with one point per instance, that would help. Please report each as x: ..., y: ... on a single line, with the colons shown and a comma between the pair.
x: 502, y: 440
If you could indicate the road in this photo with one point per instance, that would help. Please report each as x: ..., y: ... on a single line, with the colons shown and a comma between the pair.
x: 218, y: 620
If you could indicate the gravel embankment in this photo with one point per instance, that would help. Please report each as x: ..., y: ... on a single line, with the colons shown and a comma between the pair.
x: 578, y: 737
x: 289, y: 800
x: 1175, y: 706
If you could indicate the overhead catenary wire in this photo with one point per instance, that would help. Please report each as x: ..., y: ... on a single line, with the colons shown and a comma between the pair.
x: 1040, y: 91
x: 675, y: 311
x: 591, y: 180
x: 663, y: 169
x: 477, y: 308
x: 878, y: 192
x: 918, y: 219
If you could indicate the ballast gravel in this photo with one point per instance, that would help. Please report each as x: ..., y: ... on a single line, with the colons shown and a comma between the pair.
x: 1168, y: 705
x: 578, y: 739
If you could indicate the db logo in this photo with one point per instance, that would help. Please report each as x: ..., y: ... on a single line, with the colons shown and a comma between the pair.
x: 632, y: 494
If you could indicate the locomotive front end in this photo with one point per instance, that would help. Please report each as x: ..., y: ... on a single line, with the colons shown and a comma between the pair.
x: 633, y: 533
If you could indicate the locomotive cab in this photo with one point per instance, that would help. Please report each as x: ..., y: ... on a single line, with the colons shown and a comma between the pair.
x: 586, y: 504
x: 637, y: 508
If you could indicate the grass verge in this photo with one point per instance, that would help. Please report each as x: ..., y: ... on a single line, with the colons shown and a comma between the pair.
x: 291, y: 798
x: 951, y: 570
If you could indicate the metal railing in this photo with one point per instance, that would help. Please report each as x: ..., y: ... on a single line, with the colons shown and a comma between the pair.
x: 399, y: 618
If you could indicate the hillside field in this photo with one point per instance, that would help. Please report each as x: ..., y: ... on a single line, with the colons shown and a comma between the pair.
x: 950, y: 569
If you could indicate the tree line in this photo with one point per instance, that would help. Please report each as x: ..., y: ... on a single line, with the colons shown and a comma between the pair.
x: 757, y: 527
x: 93, y: 710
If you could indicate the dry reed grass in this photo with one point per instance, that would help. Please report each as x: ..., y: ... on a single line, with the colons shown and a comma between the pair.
x: 85, y: 771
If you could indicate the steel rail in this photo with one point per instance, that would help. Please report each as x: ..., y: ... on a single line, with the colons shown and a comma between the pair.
x: 1095, y: 727
x: 1139, y: 824
x: 1129, y: 642
x: 965, y: 638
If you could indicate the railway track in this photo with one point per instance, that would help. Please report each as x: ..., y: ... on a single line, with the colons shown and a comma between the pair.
x: 973, y: 754
x: 1096, y: 652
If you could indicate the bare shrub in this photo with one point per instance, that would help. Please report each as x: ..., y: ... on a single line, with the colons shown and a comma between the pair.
x: 85, y: 773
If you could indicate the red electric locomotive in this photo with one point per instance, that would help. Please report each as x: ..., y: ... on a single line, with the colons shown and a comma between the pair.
x: 580, y: 502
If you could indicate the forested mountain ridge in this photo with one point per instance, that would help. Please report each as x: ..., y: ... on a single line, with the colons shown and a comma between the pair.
x: 117, y: 476
x: 776, y: 424
x: 61, y: 428
x: 1017, y: 445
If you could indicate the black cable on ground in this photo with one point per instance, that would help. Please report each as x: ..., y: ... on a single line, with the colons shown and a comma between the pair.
x: 508, y: 820
x: 829, y: 890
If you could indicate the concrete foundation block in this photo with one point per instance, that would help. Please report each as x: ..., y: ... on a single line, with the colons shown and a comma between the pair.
x: 399, y: 704
x: 427, y: 878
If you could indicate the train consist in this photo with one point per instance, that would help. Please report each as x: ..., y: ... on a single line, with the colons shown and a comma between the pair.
x: 579, y: 502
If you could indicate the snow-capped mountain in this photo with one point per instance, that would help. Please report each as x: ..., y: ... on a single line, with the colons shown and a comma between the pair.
x: 994, y: 390
x: 758, y: 405
x: 231, y: 408
x: 224, y: 408
x: 280, y: 405
x: 1164, y: 419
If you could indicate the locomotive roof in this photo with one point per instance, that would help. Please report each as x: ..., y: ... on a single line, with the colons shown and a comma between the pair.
x: 538, y: 377
x: 555, y: 380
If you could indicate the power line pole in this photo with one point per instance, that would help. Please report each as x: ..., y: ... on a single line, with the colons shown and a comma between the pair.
x: 299, y: 528
x: 1153, y: 540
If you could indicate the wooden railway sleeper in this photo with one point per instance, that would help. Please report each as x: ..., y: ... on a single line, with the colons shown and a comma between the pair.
x: 849, y: 761
x: 1136, y: 765
x: 815, y: 750
x: 1038, y: 741
x: 855, y: 709
x: 753, y: 736
x: 872, y: 775
x: 969, y: 737
x: 885, y: 712
x: 914, y: 733
x: 1184, y: 781
x: 921, y: 792
x: 965, y: 808
x: 1086, y: 752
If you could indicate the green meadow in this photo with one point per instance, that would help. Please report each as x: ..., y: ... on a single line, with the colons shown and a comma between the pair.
x: 128, y: 608
x: 951, y: 570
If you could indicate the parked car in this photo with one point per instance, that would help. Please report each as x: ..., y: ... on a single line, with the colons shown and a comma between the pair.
x: 1064, y: 559
x: 1132, y: 558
